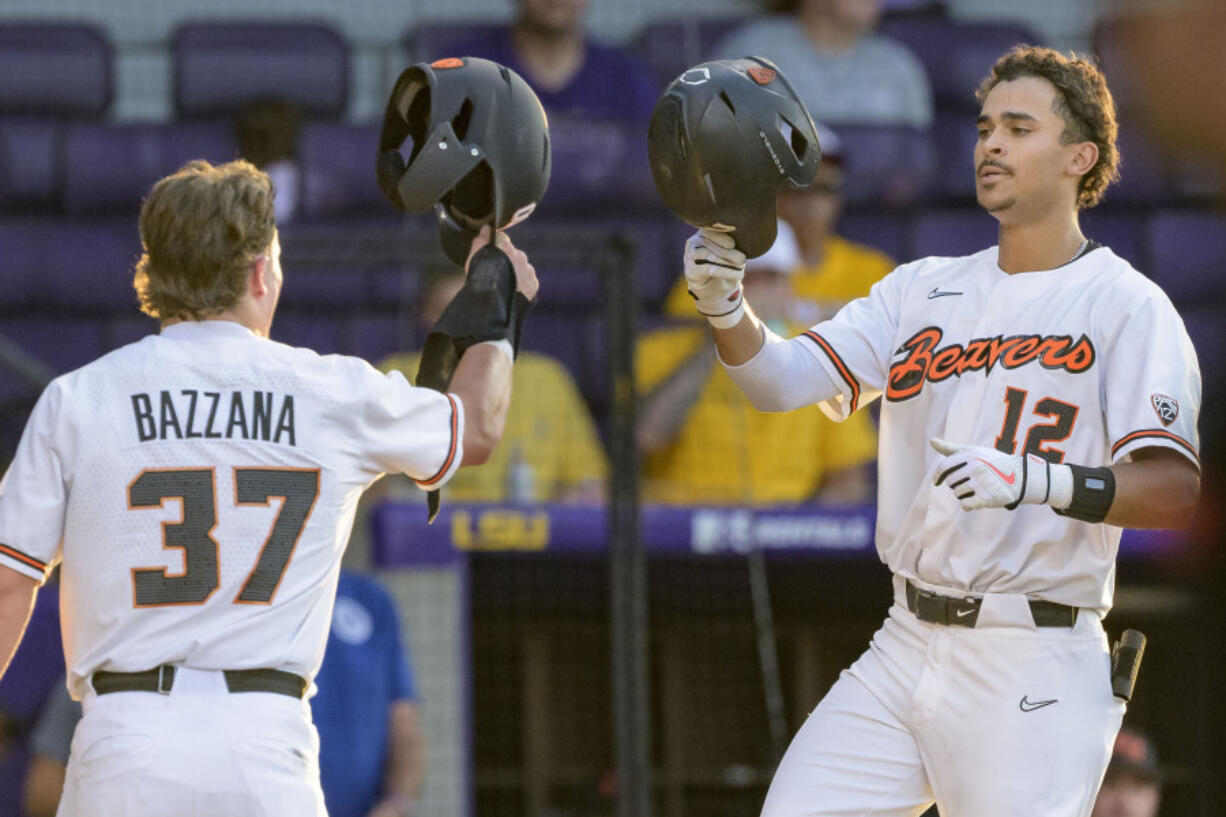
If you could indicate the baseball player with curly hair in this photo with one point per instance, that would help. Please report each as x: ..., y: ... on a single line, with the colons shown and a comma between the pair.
x: 1038, y: 396
x: 199, y: 487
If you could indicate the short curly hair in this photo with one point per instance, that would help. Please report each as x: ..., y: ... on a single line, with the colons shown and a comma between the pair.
x: 201, y: 227
x: 1083, y: 101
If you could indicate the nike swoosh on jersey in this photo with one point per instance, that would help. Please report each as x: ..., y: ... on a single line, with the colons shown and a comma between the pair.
x: 939, y: 293
x: 1027, y: 705
x: 1008, y: 478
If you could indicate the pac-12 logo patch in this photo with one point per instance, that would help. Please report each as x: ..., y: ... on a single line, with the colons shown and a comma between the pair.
x: 1167, y: 408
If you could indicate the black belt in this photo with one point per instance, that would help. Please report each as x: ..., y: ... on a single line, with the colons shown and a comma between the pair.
x: 964, y: 612
x: 162, y: 679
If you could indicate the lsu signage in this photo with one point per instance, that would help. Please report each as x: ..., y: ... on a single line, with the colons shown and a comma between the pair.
x: 499, y: 529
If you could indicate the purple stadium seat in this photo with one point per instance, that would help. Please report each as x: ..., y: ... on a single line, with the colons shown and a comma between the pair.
x: 219, y: 67
x: 323, y: 332
x: 671, y: 46
x: 577, y: 342
x: 129, y: 328
x: 89, y: 265
x: 30, y: 151
x: 80, y: 265
x: 597, y: 166
x: 887, y: 165
x: 338, y: 177
x: 955, y: 136
x: 113, y: 167
x: 952, y: 232
x: 309, y: 287
x: 54, y: 69
x: 431, y: 41
x: 21, y: 265
x: 1187, y: 254
x: 956, y: 55
x: 375, y: 335
x: 1121, y: 230
x: 882, y: 230
x: 393, y: 289
x: 1145, y: 176
x: 60, y: 343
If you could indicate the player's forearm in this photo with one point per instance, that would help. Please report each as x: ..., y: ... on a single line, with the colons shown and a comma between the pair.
x: 664, y: 409
x: 406, y: 753
x: 1157, y: 489
x: 482, y: 381
x: 17, y: 592
x: 741, y: 342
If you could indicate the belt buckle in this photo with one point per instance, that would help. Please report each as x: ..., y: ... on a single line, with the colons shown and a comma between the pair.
x: 166, y: 679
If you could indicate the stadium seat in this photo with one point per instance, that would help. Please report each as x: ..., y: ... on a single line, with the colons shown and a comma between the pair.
x: 62, y: 344
x: 338, y: 178
x: 111, y: 168
x: 375, y: 335
x: 887, y: 165
x: 955, y: 135
x: 1188, y: 252
x: 598, y: 166
x: 956, y: 55
x: 431, y: 41
x: 84, y: 266
x: 670, y: 46
x: 324, y: 288
x: 1123, y: 230
x: 1145, y: 176
x: 393, y: 289
x: 324, y: 332
x: 884, y: 231
x: 54, y: 69
x: 953, y: 232
x: 221, y: 66
x: 30, y: 153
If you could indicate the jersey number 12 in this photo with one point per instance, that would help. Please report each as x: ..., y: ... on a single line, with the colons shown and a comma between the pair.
x: 197, y: 490
x: 1064, y: 415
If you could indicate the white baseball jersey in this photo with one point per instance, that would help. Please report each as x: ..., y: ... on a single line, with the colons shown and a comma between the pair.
x: 1080, y: 364
x: 200, y: 486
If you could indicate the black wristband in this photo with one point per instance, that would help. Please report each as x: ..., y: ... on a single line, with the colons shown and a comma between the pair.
x: 1093, y: 493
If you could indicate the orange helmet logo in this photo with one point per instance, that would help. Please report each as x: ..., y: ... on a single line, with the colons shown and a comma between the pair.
x: 762, y: 76
x: 447, y: 62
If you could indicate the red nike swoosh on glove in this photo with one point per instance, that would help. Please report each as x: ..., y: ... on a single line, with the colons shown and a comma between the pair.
x: 1008, y: 478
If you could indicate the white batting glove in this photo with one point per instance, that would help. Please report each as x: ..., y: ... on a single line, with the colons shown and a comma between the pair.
x: 983, y: 477
x: 714, y: 268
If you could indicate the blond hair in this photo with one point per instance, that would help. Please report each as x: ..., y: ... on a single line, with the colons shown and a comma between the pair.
x: 201, y: 228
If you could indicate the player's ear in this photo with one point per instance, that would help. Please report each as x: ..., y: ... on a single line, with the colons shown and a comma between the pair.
x: 1084, y: 157
x: 256, y: 282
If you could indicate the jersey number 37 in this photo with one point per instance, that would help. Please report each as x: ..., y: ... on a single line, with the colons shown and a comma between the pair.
x: 197, y: 490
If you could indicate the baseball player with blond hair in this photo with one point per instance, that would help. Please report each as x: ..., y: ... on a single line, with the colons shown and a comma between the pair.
x: 1037, y: 397
x: 199, y: 487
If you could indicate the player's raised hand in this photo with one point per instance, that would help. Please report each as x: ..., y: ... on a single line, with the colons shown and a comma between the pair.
x: 983, y: 477
x: 525, y: 274
x: 714, y: 268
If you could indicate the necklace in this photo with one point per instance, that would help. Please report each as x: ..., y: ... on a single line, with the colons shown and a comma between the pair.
x: 1080, y: 250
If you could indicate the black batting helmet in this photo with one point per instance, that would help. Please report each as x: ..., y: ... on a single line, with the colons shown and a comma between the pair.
x: 479, y: 150
x: 724, y: 138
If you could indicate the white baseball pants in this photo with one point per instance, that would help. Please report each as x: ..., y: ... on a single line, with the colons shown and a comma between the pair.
x: 197, y: 751
x: 1003, y: 720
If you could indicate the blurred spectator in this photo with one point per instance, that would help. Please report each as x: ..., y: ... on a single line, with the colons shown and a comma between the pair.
x: 831, y: 270
x: 842, y: 71
x: 30, y: 679
x: 702, y: 440
x: 550, y: 451
x: 266, y: 133
x: 371, y: 749
x: 571, y: 73
x: 49, y: 747
x: 1132, y: 786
